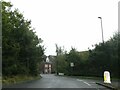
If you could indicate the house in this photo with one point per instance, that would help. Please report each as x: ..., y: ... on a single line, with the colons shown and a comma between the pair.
x: 47, y: 66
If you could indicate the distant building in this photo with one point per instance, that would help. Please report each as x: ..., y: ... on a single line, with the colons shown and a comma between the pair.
x: 52, y: 59
x: 47, y: 66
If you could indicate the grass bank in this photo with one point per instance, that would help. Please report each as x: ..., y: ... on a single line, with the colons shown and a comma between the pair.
x: 18, y: 79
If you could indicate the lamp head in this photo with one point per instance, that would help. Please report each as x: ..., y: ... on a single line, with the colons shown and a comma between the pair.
x: 100, y: 17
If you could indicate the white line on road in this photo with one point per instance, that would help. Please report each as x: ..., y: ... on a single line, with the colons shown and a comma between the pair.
x: 79, y: 80
x: 83, y: 82
x: 87, y: 83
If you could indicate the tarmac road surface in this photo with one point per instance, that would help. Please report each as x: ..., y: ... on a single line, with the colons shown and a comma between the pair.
x: 53, y: 81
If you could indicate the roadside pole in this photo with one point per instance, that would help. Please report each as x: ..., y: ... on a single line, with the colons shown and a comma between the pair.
x: 72, y: 65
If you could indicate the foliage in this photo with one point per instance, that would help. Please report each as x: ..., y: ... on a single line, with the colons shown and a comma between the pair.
x: 18, y: 79
x: 73, y: 57
x: 21, y: 46
x: 61, y: 67
x: 104, y: 57
x: 61, y: 63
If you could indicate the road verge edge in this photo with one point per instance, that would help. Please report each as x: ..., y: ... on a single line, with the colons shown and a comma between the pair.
x: 110, y: 86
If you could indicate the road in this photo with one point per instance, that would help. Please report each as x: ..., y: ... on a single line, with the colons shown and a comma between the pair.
x: 52, y: 81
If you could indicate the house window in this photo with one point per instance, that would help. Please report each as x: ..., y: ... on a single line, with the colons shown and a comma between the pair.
x: 46, y: 66
x: 49, y: 66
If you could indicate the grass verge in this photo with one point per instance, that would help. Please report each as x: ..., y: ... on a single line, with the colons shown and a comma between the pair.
x: 18, y: 79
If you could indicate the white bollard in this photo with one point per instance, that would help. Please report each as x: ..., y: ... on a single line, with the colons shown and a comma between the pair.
x: 107, y: 77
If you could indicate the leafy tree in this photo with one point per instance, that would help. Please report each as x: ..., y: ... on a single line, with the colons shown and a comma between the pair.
x: 61, y: 63
x: 74, y: 57
x: 105, y: 57
x: 22, y: 51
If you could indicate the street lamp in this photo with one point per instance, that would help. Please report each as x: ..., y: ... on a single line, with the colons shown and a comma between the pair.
x: 101, y: 29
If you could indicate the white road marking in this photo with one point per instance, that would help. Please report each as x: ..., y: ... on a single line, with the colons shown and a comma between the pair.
x: 79, y: 80
x: 83, y: 82
x: 87, y: 83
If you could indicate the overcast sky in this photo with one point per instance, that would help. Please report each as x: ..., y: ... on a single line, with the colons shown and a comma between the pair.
x: 70, y: 22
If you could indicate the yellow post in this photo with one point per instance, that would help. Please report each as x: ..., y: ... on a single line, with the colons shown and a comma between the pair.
x: 107, y: 77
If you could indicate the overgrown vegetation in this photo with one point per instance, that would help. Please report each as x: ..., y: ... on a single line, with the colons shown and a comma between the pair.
x: 19, y: 79
x: 22, y: 51
x: 93, y: 62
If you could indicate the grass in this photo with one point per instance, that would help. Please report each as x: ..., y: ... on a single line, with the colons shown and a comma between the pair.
x: 18, y: 79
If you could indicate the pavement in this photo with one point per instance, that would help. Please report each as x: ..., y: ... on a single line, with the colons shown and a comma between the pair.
x: 52, y: 81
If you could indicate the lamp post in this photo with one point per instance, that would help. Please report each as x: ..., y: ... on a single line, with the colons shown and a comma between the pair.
x: 101, y: 29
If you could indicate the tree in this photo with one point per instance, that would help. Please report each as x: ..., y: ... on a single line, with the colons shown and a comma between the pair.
x: 61, y: 63
x: 105, y: 57
x: 74, y: 57
x: 22, y: 51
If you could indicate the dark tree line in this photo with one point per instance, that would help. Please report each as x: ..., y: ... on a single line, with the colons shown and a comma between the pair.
x: 105, y: 56
x: 22, y: 51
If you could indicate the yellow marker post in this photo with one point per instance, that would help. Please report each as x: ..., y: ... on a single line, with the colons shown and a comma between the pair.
x: 107, y: 77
